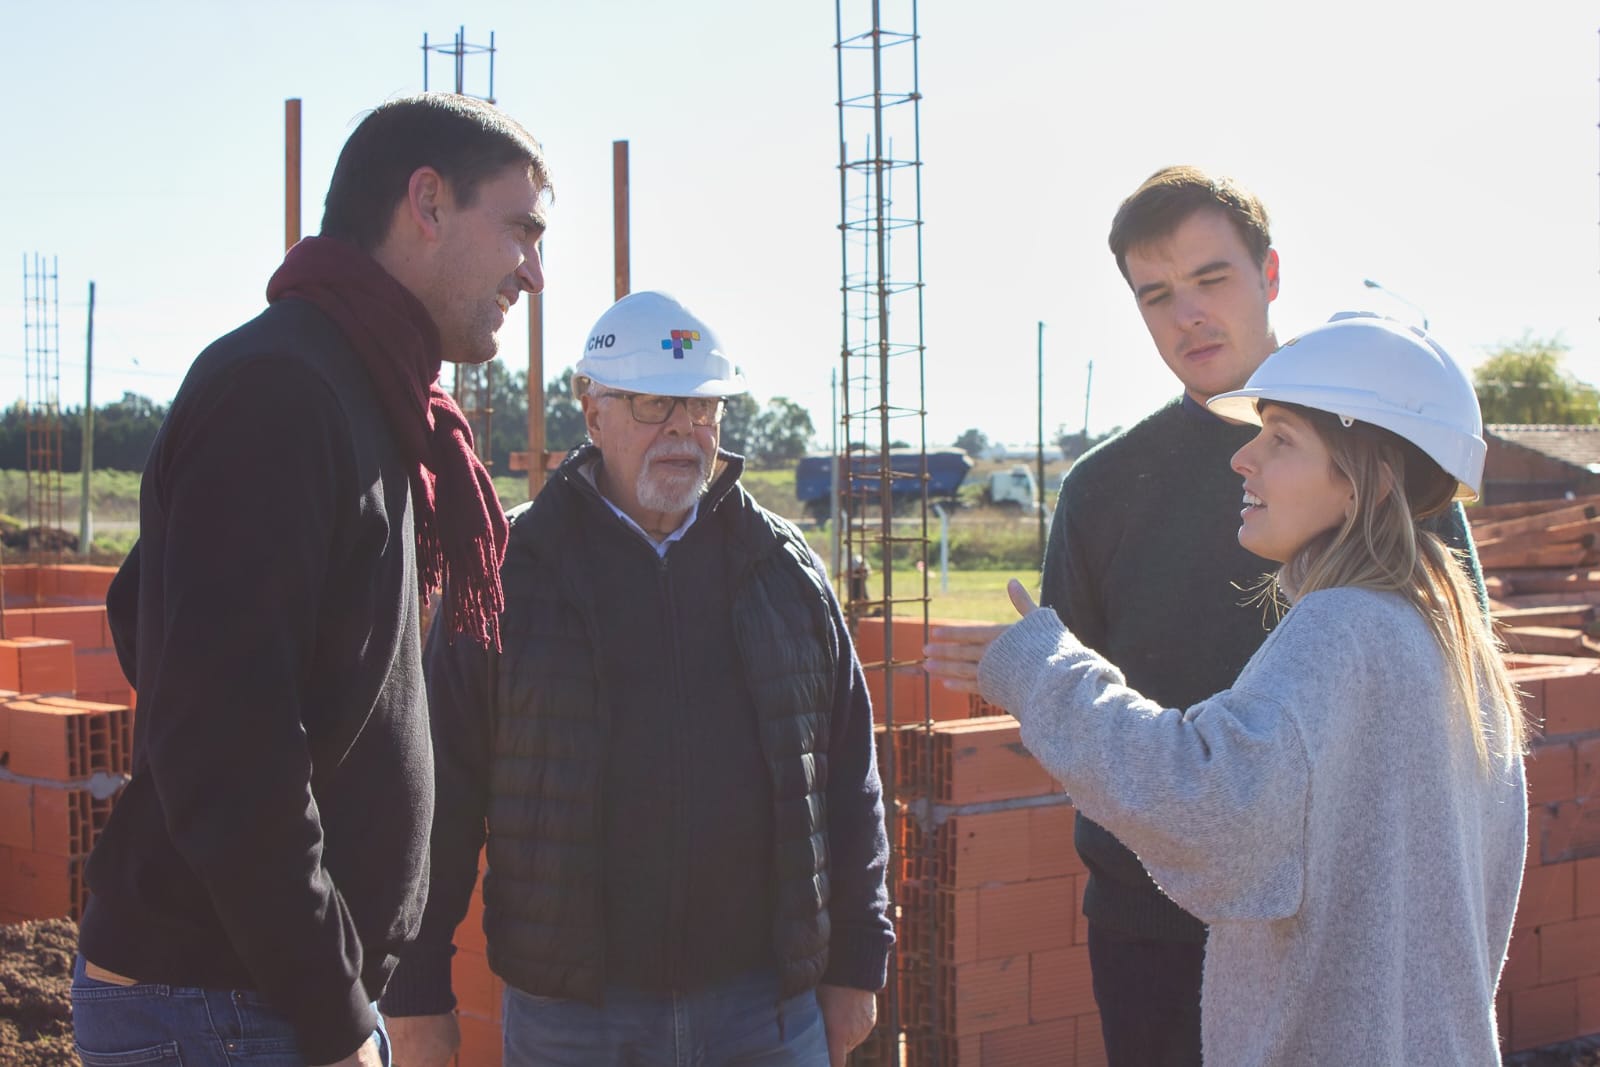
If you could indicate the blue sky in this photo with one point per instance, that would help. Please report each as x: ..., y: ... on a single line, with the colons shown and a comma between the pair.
x: 1450, y: 153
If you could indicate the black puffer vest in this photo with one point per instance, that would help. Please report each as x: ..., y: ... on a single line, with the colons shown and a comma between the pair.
x: 543, y: 898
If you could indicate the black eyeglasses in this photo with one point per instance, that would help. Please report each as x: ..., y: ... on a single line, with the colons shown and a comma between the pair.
x: 653, y: 409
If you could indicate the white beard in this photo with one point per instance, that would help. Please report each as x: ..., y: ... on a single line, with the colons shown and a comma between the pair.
x: 666, y: 493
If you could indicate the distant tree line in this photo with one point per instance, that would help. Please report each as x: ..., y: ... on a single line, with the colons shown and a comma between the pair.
x: 1072, y: 443
x: 1525, y: 382
x: 123, y: 432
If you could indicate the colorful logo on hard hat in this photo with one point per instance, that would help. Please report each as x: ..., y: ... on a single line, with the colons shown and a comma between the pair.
x: 680, y: 340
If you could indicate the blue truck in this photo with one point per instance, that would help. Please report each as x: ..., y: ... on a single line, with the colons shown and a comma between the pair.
x: 947, y: 468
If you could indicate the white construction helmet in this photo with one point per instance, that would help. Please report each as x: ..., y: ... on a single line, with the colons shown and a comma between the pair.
x: 1364, y: 368
x: 649, y: 343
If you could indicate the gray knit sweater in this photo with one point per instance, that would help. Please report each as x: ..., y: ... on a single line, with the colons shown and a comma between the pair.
x: 1326, y: 816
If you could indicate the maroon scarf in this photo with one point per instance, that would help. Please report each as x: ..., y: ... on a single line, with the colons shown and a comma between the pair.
x: 461, y: 530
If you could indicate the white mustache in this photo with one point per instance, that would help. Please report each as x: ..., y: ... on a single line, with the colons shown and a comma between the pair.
x: 685, y: 450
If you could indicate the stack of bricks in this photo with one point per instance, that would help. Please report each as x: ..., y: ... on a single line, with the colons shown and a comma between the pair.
x: 66, y: 736
x: 1550, y: 991
x: 992, y: 966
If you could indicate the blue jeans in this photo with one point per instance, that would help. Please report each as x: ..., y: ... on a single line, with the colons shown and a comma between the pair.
x: 115, y: 1025
x: 740, y: 1023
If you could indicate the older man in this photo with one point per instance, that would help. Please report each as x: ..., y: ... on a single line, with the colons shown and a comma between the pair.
x: 673, y: 754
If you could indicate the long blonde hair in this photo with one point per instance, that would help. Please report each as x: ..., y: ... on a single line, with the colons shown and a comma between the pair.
x: 1380, y: 546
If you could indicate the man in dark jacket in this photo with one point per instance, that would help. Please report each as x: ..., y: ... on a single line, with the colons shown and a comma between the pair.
x: 267, y: 862
x: 672, y: 756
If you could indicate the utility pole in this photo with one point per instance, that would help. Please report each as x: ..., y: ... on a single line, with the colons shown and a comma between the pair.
x: 619, y: 216
x: 291, y: 173
x: 1087, y: 386
x: 85, y: 515
x: 1041, y: 440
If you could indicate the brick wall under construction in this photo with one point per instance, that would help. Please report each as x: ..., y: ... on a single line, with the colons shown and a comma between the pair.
x: 66, y: 736
x: 991, y: 967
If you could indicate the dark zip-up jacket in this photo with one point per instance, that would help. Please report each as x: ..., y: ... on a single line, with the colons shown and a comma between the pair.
x: 676, y: 771
x: 274, y: 834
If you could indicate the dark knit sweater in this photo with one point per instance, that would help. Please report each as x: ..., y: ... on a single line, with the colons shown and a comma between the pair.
x: 1144, y: 566
x: 274, y: 834
x: 630, y: 765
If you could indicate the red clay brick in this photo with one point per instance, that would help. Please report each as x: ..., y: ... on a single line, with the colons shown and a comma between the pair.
x: 481, y: 1043
x: 1059, y: 984
x: 1567, y: 831
x: 1587, y: 770
x: 18, y: 622
x: 63, y: 739
x: 66, y: 822
x: 1587, y: 896
x: 1547, y: 896
x: 1589, y: 1005
x: 968, y: 851
x: 37, y: 665
x: 1080, y: 934
x: 981, y: 760
x: 1091, y: 1042
x: 1522, y: 963
x: 476, y: 988
x: 1551, y: 775
x: 1053, y: 1043
x: 1544, y: 1016
x: 469, y: 935
x: 99, y: 670
x: 940, y: 922
x: 84, y: 626
x: 16, y: 815
x: 1572, y: 701
x: 40, y: 886
x: 1051, y: 851
x: 1530, y: 686
x: 1025, y: 917
x: 1569, y: 950
x: 988, y: 995
x: 21, y: 583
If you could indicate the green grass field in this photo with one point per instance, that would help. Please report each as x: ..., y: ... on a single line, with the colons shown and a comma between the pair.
x: 973, y: 594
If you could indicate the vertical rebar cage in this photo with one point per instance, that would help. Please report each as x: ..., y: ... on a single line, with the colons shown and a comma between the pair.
x: 881, y: 500
x: 41, y: 355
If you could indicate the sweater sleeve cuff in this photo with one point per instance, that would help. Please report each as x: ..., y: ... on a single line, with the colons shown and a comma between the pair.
x: 1013, y: 662
x: 858, y: 959
x: 329, y: 1040
x: 421, y: 984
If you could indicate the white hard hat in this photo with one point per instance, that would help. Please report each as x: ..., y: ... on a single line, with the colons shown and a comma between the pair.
x: 649, y: 343
x: 1364, y: 368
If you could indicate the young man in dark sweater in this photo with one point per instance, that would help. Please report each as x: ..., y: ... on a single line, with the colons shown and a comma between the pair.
x: 1144, y: 563
x: 268, y: 860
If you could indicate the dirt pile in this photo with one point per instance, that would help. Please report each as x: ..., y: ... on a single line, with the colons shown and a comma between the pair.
x: 35, y: 993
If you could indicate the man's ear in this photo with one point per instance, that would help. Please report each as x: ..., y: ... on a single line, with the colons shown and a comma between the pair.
x: 426, y: 198
x: 591, y: 416
x: 1269, y: 270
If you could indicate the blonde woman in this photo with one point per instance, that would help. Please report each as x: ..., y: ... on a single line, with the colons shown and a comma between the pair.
x: 1350, y: 817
